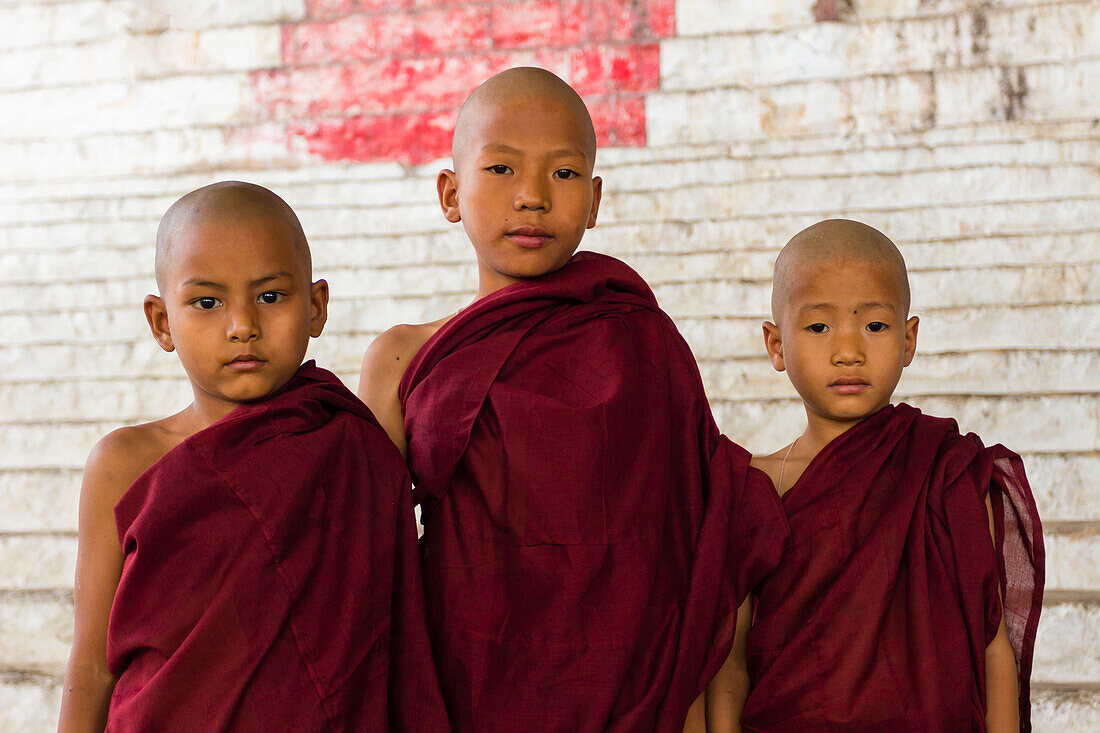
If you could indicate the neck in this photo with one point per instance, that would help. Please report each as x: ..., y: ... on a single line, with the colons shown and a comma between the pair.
x: 489, y: 280
x: 202, y: 413
x: 822, y: 431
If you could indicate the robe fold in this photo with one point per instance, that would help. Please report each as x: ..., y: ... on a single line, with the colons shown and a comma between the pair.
x: 270, y: 578
x: 880, y: 613
x: 588, y: 533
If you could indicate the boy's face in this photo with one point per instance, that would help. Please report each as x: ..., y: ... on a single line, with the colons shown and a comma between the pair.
x: 843, y: 338
x: 237, y: 307
x: 523, y: 189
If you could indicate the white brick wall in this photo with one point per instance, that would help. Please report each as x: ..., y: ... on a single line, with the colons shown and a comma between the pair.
x: 966, y: 130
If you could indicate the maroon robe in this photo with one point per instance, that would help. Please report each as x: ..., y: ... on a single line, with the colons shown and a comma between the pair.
x: 588, y: 533
x: 880, y: 613
x: 270, y: 578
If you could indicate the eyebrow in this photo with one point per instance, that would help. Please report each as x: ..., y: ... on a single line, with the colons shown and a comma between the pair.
x: 280, y: 275
x: 196, y: 282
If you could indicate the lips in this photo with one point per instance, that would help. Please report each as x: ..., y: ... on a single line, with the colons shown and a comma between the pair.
x: 245, y: 362
x: 529, y: 237
x: 849, y: 385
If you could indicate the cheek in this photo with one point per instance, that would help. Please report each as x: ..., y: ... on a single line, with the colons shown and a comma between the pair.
x: 894, y: 351
x: 795, y: 354
x: 580, y: 206
x: 480, y: 198
x: 806, y: 364
x: 190, y: 332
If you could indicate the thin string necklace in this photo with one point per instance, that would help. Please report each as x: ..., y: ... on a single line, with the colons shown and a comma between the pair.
x: 783, y: 466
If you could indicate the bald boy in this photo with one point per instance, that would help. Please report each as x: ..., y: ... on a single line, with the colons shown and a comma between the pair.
x: 834, y: 241
x: 249, y: 562
x: 587, y: 531
x: 522, y: 221
x: 228, y: 201
x: 910, y: 595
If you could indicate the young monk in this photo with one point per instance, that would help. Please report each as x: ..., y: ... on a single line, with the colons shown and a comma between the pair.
x: 893, y: 609
x: 587, y: 530
x: 248, y: 563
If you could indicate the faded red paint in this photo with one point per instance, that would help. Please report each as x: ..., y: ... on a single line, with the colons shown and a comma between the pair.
x: 371, y: 37
x: 604, y: 70
x: 373, y: 80
x: 662, y: 17
x: 389, y: 137
x: 526, y: 24
x: 825, y: 10
x: 619, y: 121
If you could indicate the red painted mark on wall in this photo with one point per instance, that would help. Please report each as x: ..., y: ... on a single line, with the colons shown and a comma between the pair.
x: 374, y: 80
x: 825, y: 10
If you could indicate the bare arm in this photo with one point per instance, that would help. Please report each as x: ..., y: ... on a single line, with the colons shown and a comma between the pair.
x: 1001, y: 685
x: 697, y: 715
x: 727, y: 692
x: 384, y: 364
x: 110, y: 470
x: 1002, y: 695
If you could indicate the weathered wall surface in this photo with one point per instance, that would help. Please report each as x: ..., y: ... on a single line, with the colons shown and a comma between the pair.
x: 968, y: 131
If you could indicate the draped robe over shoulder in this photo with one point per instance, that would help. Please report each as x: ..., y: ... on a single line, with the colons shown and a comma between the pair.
x: 588, y: 533
x: 270, y: 578
x: 880, y: 613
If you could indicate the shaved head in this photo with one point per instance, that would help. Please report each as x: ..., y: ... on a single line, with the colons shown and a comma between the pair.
x: 517, y: 86
x: 834, y: 241
x: 226, y: 201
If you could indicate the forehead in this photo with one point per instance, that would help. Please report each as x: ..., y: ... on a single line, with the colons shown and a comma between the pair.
x: 844, y: 282
x: 227, y: 247
x: 529, y: 124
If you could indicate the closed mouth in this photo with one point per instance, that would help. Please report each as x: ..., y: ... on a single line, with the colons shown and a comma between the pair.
x: 529, y: 236
x: 245, y: 361
x: 849, y: 385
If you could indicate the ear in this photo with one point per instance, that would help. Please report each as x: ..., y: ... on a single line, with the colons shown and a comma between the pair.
x: 318, y: 307
x: 597, y: 194
x: 773, y: 344
x: 911, y: 339
x: 446, y: 184
x: 157, y: 316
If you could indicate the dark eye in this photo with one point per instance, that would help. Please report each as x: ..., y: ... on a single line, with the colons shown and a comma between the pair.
x: 270, y: 297
x: 817, y: 328
x: 206, y: 303
x: 566, y: 173
x: 876, y: 326
x: 500, y: 169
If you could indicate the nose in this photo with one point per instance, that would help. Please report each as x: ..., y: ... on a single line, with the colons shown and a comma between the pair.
x: 242, y: 325
x: 848, y: 347
x: 532, y: 194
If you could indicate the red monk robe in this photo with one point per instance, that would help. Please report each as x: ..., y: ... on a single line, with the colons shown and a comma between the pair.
x: 270, y: 579
x: 588, y: 533
x: 880, y: 613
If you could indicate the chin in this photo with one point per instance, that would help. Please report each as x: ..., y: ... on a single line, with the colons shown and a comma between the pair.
x: 535, y: 269
x: 251, y: 393
x: 859, y: 414
x: 849, y: 413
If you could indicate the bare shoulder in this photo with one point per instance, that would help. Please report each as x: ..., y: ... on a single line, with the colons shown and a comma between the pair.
x: 384, y: 364
x: 113, y: 465
x: 122, y: 455
x: 394, y: 348
x: 388, y: 356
